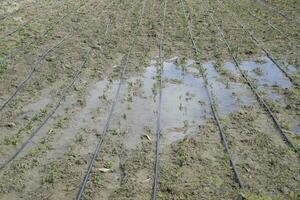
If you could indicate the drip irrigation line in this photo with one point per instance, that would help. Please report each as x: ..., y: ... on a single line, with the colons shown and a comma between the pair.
x: 278, y: 12
x: 158, y: 119
x: 33, y: 69
x: 28, y: 21
x: 269, y: 24
x: 258, y: 96
x: 59, y: 102
x: 66, y: 90
x: 257, y: 43
x: 48, y: 28
x: 293, y: 8
x: 109, y: 117
x: 36, y: 64
x: 213, y: 108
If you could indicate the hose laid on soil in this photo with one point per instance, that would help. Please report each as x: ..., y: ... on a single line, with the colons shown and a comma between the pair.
x: 57, y: 105
x: 295, y: 8
x: 48, y: 28
x: 108, y: 120
x: 277, y: 11
x: 213, y: 108
x: 268, y: 23
x: 38, y: 62
x: 257, y: 43
x: 61, y: 99
x: 258, y: 97
x: 30, y: 20
x: 158, y: 121
x: 33, y: 69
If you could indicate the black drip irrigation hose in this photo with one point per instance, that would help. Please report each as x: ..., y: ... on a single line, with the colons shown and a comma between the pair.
x: 57, y: 105
x: 108, y: 120
x: 158, y: 119
x: 213, y: 108
x: 295, y: 8
x: 257, y: 43
x: 258, y: 96
x: 38, y: 62
x: 28, y: 21
x: 268, y: 23
x: 59, y: 102
x: 277, y: 11
x: 33, y: 69
x: 48, y: 28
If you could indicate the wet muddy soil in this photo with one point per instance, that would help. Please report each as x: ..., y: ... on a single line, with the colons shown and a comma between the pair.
x: 58, y: 118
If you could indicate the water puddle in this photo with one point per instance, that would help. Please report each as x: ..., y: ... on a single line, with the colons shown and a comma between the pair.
x: 296, y: 129
x: 85, y: 118
x: 266, y: 73
x: 185, y: 104
x: 229, y: 95
x: 267, y: 76
x: 36, y: 106
x: 31, y: 109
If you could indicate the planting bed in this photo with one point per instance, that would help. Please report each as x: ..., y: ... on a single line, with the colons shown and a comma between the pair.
x: 140, y: 99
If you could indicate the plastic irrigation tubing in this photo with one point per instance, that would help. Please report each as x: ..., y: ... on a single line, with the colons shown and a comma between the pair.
x: 257, y: 43
x: 16, y: 50
x: 36, y: 64
x: 28, y: 21
x: 33, y: 69
x: 214, y: 110
x: 268, y: 23
x: 258, y: 97
x: 276, y: 10
x: 55, y: 108
x: 49, y: 27
x: 260, y: 18
x: 108, y: 120
x: 158, y: 121
x: 289, y: 7
x: 33, y: 133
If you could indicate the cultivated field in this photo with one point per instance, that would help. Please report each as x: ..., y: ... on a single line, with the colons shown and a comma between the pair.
x: 149, y: 99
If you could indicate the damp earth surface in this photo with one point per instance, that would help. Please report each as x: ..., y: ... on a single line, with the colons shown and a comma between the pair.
x: 217, y: 82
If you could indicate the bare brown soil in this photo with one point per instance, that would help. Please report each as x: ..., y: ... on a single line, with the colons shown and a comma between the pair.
x: 193, y: 162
